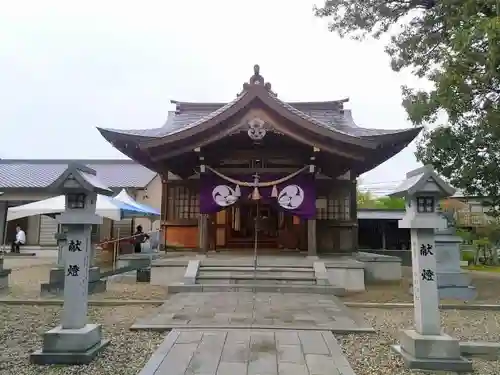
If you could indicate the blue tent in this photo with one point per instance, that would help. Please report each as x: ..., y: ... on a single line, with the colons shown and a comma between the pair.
x: 146, y: 210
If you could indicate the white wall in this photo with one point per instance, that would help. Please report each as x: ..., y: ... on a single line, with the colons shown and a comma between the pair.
x: 150, y: 196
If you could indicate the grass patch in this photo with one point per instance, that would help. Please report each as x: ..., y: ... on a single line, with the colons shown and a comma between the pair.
x: 483, y: 268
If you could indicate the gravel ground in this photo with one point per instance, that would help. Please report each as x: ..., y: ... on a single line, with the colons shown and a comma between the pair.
x: 24, y: 283
x: 486, y: 287
x: 22, y: 326
x: 370, y: 354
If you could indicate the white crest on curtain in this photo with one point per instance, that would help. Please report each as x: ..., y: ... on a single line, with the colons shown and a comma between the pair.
x: 224, y: 195
x: 291, y: 197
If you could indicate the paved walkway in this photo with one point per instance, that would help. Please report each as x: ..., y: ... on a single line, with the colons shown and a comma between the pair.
x: 237, y: 310
x: 248, y: 352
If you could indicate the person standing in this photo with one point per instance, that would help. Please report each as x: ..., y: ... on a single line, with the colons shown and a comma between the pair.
x: 19, y: 241
x: 139, y: 238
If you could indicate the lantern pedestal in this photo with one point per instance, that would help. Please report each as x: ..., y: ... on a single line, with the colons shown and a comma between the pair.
x: 431, y: 352
x: 70, y: 346
x: 56, y: 282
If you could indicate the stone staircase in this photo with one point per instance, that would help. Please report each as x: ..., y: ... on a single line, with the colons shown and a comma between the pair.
x: 304, y: 277
x: 299, y: 275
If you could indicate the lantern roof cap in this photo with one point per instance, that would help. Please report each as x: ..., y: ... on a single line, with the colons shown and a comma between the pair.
x: 423, y: 180
x: 79, y: 178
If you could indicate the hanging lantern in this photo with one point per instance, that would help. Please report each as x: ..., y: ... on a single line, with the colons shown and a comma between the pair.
x: 237, y: 191
x: 256, y: 194
x: 274, y: 192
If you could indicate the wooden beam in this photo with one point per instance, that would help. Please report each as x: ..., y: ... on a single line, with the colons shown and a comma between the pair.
x: 313, y: 140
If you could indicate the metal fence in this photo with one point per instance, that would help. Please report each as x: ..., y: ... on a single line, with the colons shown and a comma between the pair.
x: 109, y: 251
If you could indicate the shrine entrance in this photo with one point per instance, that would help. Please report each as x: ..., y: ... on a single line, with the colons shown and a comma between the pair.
x: 235, y: 228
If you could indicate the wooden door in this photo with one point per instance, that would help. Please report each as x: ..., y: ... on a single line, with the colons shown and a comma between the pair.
x: 217, y: 230
x: 221, y: 229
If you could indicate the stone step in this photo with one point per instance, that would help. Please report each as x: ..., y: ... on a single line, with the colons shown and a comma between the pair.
x: 271, y: 278
x: 229, y: 268
x: 252, y: 281
x: 256, y: 288
x: 250, y: 273
x: 268, y: 263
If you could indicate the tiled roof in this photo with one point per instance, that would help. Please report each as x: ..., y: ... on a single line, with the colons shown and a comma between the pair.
x: 41, y: 173
x: 328, y: 115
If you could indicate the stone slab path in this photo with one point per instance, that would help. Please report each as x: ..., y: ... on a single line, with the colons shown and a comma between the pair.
x: 238, y: 310
x: 248, y: 352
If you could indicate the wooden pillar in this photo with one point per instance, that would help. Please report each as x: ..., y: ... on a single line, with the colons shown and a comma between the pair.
x: 311, y: 238
x: 354, y: 216
x: 203, y: 232
x: 164, y: 211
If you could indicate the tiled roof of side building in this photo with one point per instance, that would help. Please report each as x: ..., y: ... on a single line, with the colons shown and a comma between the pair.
x: 330, y: 115
x: 26, y: 173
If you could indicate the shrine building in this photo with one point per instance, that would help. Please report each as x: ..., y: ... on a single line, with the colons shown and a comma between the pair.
x: 260, y: 171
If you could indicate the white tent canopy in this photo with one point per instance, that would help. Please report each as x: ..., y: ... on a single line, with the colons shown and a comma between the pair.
x: 105, y: 207
x: 124, y: 197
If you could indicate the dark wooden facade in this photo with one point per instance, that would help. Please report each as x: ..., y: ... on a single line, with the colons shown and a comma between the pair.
x: 321, y: 134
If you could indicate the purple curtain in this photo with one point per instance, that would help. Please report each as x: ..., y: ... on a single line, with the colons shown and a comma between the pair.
x: 296, y: 196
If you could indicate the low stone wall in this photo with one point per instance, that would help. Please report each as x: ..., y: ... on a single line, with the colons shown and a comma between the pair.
x: 380, y: 267
x: 346, y: 273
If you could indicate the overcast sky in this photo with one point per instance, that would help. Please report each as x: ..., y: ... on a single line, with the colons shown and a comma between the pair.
x: 65, y: 69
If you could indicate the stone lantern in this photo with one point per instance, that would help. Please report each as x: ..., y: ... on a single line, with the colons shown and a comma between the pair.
x: 75, y: 341
x: 426, y: 347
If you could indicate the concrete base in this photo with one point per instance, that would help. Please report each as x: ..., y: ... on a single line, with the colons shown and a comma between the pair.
x: 98, y: 286
x: 454, y: 285
x: 56, y: 281
x: 351, y: 278
x: 4, y: 276
x: 320, y: 273
x: 143, y: 275
x: 84, y: 358
x: 262, y: 288
x: 70, y: 346
x: 191, y: 273
x: 431, y: 352
x: 459, y: 293
x: 380, y: 268
x: 481, y: 349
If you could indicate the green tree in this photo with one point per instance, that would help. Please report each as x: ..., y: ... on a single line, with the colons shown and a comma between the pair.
x: 367, y: 200
x: 390, y: 203
x: 455, y: 44
x: 364, y: 199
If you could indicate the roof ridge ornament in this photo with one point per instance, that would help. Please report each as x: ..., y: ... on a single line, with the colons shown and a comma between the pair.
x: 257, y: 80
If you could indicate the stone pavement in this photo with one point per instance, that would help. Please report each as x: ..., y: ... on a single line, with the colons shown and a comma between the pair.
x: 248, y: 352
x: 238, y: 310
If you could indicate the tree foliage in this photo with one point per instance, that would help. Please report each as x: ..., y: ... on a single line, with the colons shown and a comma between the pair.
x: 367, y: 200
x: 455, y: 44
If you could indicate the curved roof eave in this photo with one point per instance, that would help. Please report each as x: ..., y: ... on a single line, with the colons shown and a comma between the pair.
x: 396, y: 136
x: 388, y: 150
x: 115, y: 135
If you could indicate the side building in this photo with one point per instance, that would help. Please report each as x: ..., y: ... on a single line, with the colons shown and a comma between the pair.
x: 25, y: 181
